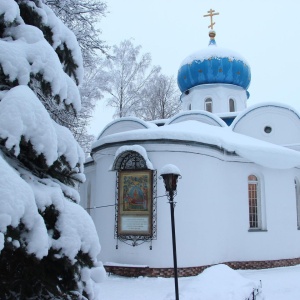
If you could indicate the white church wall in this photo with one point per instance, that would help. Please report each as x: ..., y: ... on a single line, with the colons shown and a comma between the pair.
x: 125, y: 124
x: 86, y: 189
x: 197, y: 115
x: 273, y: 123
x: 211, y: 215
x: 220, y: 95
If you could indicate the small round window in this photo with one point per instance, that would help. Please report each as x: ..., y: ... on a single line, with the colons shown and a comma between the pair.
x: 268, y: 129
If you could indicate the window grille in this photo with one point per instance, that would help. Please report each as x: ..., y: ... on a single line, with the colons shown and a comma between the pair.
x: 132, y: 161
x: 254, y: 202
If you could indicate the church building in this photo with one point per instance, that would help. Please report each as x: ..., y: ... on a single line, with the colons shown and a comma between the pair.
x: 238, y: 198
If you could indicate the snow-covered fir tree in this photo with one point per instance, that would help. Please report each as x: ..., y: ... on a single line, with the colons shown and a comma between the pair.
x: 48, y: 243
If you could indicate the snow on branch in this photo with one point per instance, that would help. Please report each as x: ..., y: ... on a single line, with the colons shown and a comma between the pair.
x: 23, y: 115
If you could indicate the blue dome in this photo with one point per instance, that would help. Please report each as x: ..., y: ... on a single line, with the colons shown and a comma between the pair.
x: 213, y: 65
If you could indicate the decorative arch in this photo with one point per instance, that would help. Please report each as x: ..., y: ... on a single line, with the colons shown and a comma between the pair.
x: 130, y: 160
x: 136, y: 206
x: 197, y: 115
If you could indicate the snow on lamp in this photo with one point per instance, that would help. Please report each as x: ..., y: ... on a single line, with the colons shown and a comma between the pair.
x: 170, y: 174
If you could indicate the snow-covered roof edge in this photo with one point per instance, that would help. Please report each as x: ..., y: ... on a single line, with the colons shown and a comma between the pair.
x: 213, y: 51
x: 242, y: 114
x: 260, y: 152
x: 133, y: 119
x: 211, y: 116
x: 136, y: 148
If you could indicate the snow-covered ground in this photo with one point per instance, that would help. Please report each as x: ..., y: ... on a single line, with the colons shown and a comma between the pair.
x: 277, y: 284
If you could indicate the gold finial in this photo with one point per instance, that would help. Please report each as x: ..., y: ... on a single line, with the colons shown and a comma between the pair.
x: 210, y: 14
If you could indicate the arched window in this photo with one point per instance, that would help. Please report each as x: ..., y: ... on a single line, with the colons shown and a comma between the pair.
x: 208, y: 105
x: 231, y: 105
x: 190, y: 106
x: 130, y: 160
x: 297, y: 191
x: 254, y: 202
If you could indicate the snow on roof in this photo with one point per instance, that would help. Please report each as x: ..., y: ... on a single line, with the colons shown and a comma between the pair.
x: 125, y: 124
x: 257, y: 151
x: 243, y: 113
x: 212, y: 51
x: 136, y: 148
x: 198, y: 115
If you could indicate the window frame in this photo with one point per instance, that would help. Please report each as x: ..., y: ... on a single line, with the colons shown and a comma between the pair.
x: 231, y: 100
x: 208, y: 101
x: 254, y: 211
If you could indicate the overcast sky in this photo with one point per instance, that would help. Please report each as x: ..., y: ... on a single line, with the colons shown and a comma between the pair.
x: 266, y: 33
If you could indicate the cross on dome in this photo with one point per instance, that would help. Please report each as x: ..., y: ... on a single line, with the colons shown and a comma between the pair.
x: 210, y: 14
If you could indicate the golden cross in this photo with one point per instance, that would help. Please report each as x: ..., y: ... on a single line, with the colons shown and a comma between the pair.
x: 211, y: 13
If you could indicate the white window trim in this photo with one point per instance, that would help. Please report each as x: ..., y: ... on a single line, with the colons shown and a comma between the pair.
x: 261, y: 209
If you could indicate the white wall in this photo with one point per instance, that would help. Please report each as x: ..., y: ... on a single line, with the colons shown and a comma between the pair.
x: 220, y: 95
x: 284, y: 124
x: 211, y: 214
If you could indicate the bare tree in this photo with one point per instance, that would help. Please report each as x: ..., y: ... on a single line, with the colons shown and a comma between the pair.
x: 125, y: 75
x: 83, y: 17
x: 90, y: 93
x: 160, y: 99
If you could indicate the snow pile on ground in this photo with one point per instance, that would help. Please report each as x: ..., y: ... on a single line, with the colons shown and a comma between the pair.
x: 277, y: 284
x: 219, y: 282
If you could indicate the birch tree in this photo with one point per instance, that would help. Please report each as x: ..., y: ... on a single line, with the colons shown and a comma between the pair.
x: 124, y: 77
x: 160, y: 99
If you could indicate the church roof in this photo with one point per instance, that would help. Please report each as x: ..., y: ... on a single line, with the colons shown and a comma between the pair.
x: 213, y: 65
x: 254, y: 150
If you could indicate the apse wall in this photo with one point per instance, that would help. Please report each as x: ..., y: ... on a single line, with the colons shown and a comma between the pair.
x: 272, y: 122
x: 211, y: 214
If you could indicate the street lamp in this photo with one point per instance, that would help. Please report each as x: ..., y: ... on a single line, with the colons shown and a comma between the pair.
x: 170, y: 174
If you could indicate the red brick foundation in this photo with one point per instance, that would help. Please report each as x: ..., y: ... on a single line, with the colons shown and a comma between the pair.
x: 192, y: 271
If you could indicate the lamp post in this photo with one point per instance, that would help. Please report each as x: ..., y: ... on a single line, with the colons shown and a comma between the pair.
x: 170, y: 174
